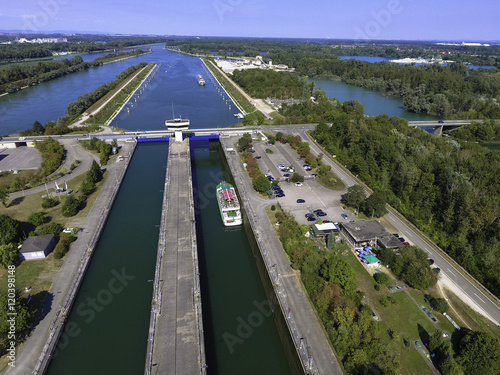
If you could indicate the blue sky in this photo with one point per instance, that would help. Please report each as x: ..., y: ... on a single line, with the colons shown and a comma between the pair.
x: 347, y: 19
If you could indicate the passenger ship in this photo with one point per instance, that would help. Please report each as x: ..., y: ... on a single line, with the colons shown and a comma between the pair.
x: 229, y: 206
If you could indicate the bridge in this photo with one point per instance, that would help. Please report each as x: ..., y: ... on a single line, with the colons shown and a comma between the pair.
x: 208, y: 133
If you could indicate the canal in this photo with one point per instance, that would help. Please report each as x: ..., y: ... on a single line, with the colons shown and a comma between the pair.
x: 240, y: 333
x: 111, y: 334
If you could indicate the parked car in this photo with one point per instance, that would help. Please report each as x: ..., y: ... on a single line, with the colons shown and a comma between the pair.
x: 431, y: 261
x: 281, y: 195
x: 301, y: 201
x: 298, y: 184
x: 275, y: 187
x: 345, y: 216
x: 258, y: 157
x: 310, y: 215
x: 321, y: 213
x: 314, y: 174
x: 286, y: 175
x: 436, y: 270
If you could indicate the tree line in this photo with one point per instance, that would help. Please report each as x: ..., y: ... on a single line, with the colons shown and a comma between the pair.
x: 441, y: 90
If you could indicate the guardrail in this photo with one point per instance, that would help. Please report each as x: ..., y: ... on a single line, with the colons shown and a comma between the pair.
x: 62, y: 312
x: 414, y: 228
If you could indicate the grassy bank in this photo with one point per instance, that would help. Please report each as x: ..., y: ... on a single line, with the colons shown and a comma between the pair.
x: 229, y: 86
x: 125, y: 90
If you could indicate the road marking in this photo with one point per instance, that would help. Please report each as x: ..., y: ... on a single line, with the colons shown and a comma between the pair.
x: 451, y: 272
x: 479, y: 298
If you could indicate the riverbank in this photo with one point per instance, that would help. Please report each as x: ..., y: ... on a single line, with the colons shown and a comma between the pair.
x: 34, y: 354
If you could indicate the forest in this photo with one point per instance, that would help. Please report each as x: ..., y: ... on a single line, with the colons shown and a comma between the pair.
x: 448, y: 188
x: 283, y: 50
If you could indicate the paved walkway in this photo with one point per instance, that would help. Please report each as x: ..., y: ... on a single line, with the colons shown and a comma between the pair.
x: 306, y: 331
x: 176, y: 314
x: 29, y: 353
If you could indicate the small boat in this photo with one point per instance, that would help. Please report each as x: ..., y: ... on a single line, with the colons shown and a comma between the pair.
x: 177, y: 123
x: 229, y: 206
x: 201, y: 81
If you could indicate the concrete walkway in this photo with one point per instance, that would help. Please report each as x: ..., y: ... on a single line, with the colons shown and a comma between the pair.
x: 176, y: 330
x: 48, y: 328
x: 307, y: 332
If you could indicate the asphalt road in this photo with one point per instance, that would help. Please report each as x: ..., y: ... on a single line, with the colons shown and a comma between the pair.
x: 484, y: 302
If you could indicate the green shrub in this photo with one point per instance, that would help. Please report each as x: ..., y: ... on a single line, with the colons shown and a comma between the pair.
x: 382, y: 278
x: 49, y: 202
x: 37, y: 218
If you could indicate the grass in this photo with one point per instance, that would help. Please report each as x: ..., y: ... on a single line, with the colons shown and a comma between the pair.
x: 229, y: 87
x: 325, y: 181
x: 125, y: 89
x: 404, y: 318
x: 20, y: 209
x: 6, y: 178
x: 471, y: 318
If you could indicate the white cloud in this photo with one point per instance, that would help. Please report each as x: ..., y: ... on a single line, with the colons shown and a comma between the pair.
x: 29, y: 16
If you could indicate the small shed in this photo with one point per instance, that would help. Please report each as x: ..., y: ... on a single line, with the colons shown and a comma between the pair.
x: 37, y: 247
x: 323, y: 230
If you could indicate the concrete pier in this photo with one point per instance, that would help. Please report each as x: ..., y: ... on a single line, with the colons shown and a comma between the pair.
x: 176, y: 342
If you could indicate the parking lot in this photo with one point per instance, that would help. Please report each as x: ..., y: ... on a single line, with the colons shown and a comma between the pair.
x: 20, y: 158
x: 315, y: 195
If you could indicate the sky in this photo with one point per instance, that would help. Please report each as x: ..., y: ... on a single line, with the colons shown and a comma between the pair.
x: 338, y: 19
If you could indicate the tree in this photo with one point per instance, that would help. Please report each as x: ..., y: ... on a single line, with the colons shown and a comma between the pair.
x: 261, y: 184
x: 49, y: 228
x: 355, y: 196
x: 37, y: 218
x: 245, y: 143
x: 374, y: 205
x: 382, y: 278
x: 8, y: 255
x: 336, y: 270
x: 4, y: 196
x: 70, y: 206
x: 23, y: 313
x: 38, y: 128
x: 479, y: 353
x: 94, y: 173
x: 10, y: 230
x: 86, y: 187
x: 49, y: 202
x: 440, y: 305
x: 296, y: 177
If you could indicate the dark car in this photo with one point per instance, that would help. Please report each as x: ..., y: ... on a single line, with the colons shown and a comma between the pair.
x: 275, y: 187
x: 314, y: 174
x: 278, y: 191
x: 309, y: 215
x: 345, y: 216
x: 318, y: 210
x: 309, y: 218
x: 286, y: 175
x: 436, y: 270
x: 258, y: 157
x: 301, y: 201
x: 321, y: 213
x: 396, y: 235
x: 441, y: 121
x: 431, y: 261
x: 280, y: 195
x: 401, y: 239
x: 252, y: 151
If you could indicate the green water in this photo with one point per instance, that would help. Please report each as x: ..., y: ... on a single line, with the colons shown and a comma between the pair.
x: 240, y: 333
x: 109, y: 335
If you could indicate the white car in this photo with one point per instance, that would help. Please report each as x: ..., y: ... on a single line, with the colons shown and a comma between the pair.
x: 68, y: 230
x: 298, y: 184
